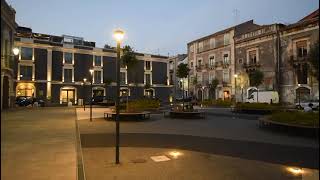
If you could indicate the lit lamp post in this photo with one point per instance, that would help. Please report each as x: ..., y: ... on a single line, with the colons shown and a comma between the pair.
x: 84, y: 93
x: 235, y: 87
x: 91, y: 72
x: 15, y: 51
x: 118, y: 36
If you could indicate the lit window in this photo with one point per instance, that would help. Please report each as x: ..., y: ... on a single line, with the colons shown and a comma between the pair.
x: 26, y: 53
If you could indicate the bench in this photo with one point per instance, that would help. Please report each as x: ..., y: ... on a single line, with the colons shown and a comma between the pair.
x: 127, y: 115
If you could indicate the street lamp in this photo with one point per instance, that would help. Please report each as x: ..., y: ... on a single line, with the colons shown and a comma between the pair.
x: 15, y: 51
x: 84, y: 93
x: 91, y: 72
x: 118, y: 36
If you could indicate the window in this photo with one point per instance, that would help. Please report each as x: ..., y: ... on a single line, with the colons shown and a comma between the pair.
x: 212, y: 42
x: 226, y: 76
x: 97, y: 77
x: 302, y: 48
x: 123, y: 78
x: 226, y: 59
x: 148, y: 65
x: 68, y: 58
x: 97, y: 61
x: 25, y: 72
x: 199, y: 62
x: 253, y: 57
x: 240, y: 61
x: 211, y: 76
x: 148, y: 79
x: 26, y: 53
x: 191, y: 64
x: 302, y: 74
x: 226, y: 39
x: 200, y: 46
x: 67, y: 75
x: 149, y: 92
x: 211, y: 61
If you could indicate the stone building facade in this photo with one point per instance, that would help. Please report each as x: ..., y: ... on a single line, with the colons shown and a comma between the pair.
x: 280, y: 52
x: 54, y: 67
x: 8, y: 26
x: 212, y: 57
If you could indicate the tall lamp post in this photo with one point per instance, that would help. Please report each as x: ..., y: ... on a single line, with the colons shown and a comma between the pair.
x: 118, y: 36
x: 91, y: 72
x: 235, y: 87
x: 84, y: 93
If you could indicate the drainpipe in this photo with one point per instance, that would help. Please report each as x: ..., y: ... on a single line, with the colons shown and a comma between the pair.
x: 278, y: 65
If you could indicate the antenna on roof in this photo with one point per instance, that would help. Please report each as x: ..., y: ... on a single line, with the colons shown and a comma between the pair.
x: 236, y: 13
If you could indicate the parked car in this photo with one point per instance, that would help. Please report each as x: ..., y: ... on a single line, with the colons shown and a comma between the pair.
x: 314, y: 104
x: 102, y: 100
x: 24, y: 100
x: 28, y: 100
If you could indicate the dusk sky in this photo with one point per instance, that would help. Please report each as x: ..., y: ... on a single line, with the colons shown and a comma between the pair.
x: 163, y: 26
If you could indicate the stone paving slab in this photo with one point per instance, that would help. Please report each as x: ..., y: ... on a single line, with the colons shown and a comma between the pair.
x: 38, y: 143
x: 136, y: 164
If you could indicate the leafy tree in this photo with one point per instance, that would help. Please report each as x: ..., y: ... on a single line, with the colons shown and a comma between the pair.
x: 256, y: 79
x: 183, y: 72
x: 128, y: 59
x: 213, y: 85
x: 313, y: 58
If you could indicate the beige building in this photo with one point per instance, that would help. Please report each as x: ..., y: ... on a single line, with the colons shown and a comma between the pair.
x: 212, y: 57
x: 8, y: 26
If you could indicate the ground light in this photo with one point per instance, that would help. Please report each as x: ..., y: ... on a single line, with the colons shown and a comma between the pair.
x: 295, y: 170
x: 175, y: 154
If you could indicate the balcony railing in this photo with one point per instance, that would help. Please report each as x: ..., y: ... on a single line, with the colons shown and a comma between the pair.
x: 251, y: 65
x: 296, y: 60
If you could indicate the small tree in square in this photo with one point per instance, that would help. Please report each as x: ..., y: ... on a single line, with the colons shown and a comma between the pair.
x: 182, y: 73
x: 256, y: 79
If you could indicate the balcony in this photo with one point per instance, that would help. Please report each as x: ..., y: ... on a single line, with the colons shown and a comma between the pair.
x: 251, y: 66
x: 296, y: 60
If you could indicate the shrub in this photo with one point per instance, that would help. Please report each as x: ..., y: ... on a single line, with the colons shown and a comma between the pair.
x: 257, y: 106
x: 218, y: 102
x: 143, y: 104
x: 297, y: 118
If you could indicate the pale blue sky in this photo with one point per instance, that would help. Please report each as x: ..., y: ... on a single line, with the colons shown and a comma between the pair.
x: 164, y: 26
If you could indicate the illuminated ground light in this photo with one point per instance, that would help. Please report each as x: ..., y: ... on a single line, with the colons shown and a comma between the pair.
x: 175, y: 154
x: 296, y: 171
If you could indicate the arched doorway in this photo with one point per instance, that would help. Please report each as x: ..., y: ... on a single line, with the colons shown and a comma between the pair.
x: 25, y: 89
x: 68, y: 94
x: 5, y: 92
x: 302, y: 94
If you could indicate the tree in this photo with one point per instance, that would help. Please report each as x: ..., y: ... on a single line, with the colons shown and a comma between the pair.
x: 107, y: 46
x: 313, y: 58
x: 213, y: 85
x: 128, y: 59
x: 183, y: 72
x: 256, y: 79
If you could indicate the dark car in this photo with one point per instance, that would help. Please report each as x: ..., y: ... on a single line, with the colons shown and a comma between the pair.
x: 97, y: 99
x: 28, y: 100
x: 24, y: 100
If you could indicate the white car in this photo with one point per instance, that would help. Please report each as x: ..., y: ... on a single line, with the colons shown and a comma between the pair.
x: 305, y: 104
